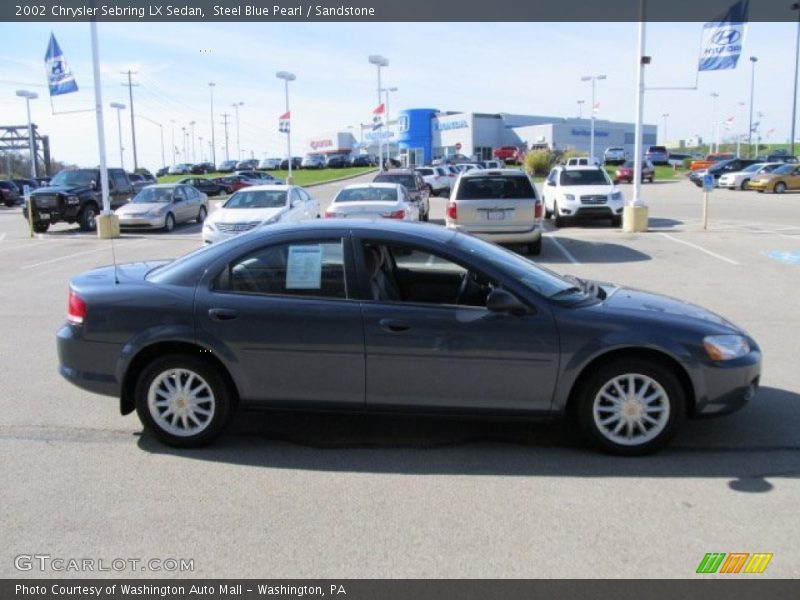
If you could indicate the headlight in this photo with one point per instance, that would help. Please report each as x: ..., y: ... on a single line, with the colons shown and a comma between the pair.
x: 725, y: 347
x: 570, y: 197
x: 616, y: 196
x: 72, y: 200
x: 209, y: 225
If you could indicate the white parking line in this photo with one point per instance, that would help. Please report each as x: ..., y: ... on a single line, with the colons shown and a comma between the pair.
x: 23, y: 246
x: 696, y: 247
x: 105, y: 248
x: 564, y: 251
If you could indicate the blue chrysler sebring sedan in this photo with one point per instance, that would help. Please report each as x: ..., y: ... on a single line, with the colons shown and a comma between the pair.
x: 356, y: 315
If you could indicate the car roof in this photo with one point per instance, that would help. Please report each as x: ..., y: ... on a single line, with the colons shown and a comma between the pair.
x: 267, y: 187
x: 166, y: 185
x: 380, y: 184
x: 483, y: 172
x: 397, y: 172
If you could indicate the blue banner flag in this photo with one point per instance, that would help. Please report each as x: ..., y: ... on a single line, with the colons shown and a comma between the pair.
x: 59, y: 77
x: 722, y: 39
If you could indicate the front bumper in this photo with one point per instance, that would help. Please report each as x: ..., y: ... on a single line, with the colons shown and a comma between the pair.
x: 729, y: 385
x: 143, y: 222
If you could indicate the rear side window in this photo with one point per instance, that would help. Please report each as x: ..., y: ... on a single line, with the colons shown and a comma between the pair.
x: 490, y: 187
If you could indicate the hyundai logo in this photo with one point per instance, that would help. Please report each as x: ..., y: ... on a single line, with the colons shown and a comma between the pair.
x: 726, y: 37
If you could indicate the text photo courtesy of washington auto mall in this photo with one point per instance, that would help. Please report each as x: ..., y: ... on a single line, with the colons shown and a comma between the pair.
x: 399, y: 299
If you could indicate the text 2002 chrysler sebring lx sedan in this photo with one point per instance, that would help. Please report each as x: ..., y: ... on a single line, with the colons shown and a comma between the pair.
x: 377, y: 316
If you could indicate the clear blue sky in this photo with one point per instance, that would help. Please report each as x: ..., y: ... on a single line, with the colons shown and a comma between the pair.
x: 525, y: 68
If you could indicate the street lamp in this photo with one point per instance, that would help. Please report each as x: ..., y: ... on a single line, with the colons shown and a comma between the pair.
x: 753, y: 61
x: 580, y: 108
x: 28, y: 97
x: 795, y: 6
x: 185, y: 158
x: 192, y: 124
x: 593, y: 79
x: 714, y: 124
x: 388, y: 142
x: 213, y: 141
x: 161, y: 129
x: 287, y: 77
x: 236, y: 106
x: 379, y: 61
x: 120, y: 107
x: 665, y: 115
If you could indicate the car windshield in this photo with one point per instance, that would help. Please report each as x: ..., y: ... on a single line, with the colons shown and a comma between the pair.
x: 495, y: 186
x: 78, y: 177
x: 150, y: 195
x: 536, y: 278
x: 629, y: 164
x: 584, y: 177
x: 257, y: 199
x: 367, y: 194
x: 406, y: 180
x: 784, y: 169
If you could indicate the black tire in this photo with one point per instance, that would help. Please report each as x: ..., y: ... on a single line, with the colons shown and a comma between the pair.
x: 670, y: 401
x: 744, y: 185
x: 616, y: 221
x: 201, y: 215
x: 558, y: 220
x: 87, y: 220
x: 425, y: 216
x: 169, y: 222
x: 547, y: 213
x: 41, y: 226
x: 779, y: 188
x: 221, y: 405
x: 9, y: 202
x: 535, y: 248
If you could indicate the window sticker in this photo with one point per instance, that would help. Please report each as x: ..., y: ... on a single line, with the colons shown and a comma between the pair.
x: 304, y: 268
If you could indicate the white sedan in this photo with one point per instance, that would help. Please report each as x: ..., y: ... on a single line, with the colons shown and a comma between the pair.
x: 374, y: 201
x: 740, y: 179
x: 259, y: 205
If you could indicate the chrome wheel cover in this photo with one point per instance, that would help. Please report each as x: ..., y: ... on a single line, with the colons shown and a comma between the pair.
x: 181, y: 402
x: 631, y: 409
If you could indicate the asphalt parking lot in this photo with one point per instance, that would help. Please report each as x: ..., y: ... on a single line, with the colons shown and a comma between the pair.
x: 286, y: 495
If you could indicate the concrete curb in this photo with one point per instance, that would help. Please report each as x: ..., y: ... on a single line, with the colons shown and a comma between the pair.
x: 375, y: 170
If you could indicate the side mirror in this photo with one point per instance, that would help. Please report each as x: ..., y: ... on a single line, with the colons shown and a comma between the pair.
x: 551, y: 183
x: 93, y: 184
x: 502, y: 301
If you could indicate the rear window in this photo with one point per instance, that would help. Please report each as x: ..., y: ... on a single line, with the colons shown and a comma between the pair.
x: 661, y: 149
x: 584, y: 177
x: 490, y: 187
x: 407, y: 180
x: 367, y: 194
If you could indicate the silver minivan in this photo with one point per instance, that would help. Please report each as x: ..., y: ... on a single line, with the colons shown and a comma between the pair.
x: 500, y: 206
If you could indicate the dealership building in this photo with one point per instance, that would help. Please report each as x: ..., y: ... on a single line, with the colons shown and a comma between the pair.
x: 424, y: 134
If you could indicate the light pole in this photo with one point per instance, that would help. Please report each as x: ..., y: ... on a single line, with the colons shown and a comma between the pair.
x: 213, y: 141
x: 202, y: 152
x: 191, y: 124
x: 580, y: 108
x: 183, y: 129
x: 388, y: 141
x: 593, y: 79
x: 795, y: 6
x: 740, y: 134
x: 174, y: 150
x: 120, y: 107
x: 665, y: 115
x: 287, y: 77
x: 753, y: 61
x: 379, y: 61
x: 161, y: 129
x: 236, y: 106
x: 28, y: 97
x: 714, y: 124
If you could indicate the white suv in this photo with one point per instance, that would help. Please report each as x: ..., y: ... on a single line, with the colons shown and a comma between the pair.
x: 439, y: 179
x: 585, y: 192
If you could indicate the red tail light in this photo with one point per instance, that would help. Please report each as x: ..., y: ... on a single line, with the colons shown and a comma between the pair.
x: 537, y: 210
x: 397, y: 214
x: 452, y: 211
x: 329, y: 214
x: 76, y: 308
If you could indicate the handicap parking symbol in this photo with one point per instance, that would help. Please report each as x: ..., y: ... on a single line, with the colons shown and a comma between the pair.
x: 791, y: 258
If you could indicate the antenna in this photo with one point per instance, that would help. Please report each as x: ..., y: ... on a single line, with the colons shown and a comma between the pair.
x: 114, y: 260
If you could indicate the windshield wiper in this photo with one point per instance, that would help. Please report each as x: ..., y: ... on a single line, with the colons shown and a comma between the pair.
x: 590, y: 287
x: 570, y: 290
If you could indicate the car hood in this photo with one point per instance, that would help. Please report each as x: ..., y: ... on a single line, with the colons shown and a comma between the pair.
x: 62, y: 189
x: 141, y: 207
x: 244, y: 215
x: 589, y: 190
x: 631, y: 301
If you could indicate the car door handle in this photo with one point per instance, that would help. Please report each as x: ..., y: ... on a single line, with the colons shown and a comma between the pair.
x: 222, y: 314
x: 393, y: 326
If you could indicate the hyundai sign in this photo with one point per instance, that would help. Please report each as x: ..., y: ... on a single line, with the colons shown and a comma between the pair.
x: 721, y: 45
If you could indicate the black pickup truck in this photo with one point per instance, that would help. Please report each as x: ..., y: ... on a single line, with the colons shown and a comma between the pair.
x: 73, y: 196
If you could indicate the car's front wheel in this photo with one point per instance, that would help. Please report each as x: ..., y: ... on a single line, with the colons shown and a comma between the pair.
x: 631, y: 407
x: 745, y: 184
x: 182, y: 401
x: 779, y: 188
x: 201, y: 214
x: 41, y: 226
x: 558, y: 220
x: 169, y: 222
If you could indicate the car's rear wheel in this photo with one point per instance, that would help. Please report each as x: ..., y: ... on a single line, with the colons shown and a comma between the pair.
x: 535, y: 248
x: 201, y: 214
x: 779, y: 188
x: 745, y: 183
x: 630, y: 407
x: 169, y: 222
x: 87, y: 220
x: 182, y: 401
x: 41, y: 226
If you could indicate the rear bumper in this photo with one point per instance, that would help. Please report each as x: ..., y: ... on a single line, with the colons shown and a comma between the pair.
x: 89, y: 365
x: 528, y: 236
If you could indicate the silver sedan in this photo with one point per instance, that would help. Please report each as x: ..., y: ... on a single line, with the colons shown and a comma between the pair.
x: 163, y: 206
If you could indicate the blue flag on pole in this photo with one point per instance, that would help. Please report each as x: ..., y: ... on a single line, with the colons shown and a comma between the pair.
x: 59, y: 77
x: 722, y: 39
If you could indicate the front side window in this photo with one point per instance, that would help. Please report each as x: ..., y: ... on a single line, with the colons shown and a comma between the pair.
x: 314, y: 269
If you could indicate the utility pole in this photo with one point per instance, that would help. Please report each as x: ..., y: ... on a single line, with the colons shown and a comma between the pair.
x: 213, y: 142
x: 225, y: 123
x: 183, y: 129
x: 130, y: 87
x: 202, y: 152
x: 236, y: 106
x: 172, y: 151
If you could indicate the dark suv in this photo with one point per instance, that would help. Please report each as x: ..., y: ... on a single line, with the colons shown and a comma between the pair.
x: 73, y: 196
x: 418, y: 190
